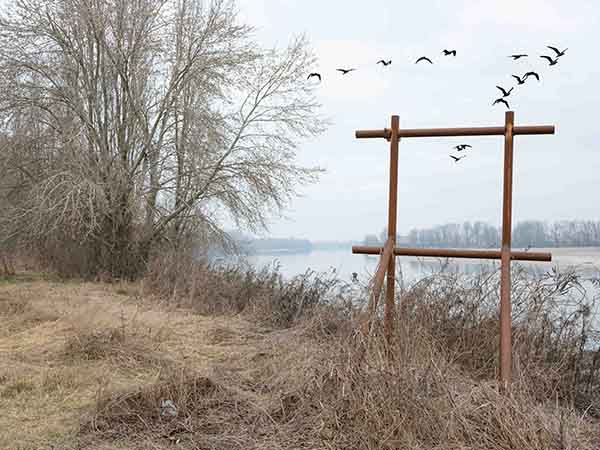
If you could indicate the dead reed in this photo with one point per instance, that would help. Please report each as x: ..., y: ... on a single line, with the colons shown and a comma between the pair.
x: 320, y: 384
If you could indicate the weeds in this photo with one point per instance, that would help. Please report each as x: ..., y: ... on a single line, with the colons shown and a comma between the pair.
x: 210, y: 289
x: 319, y: 384
x: 555, y: 344
x: 338, y: 391
x: 309, y: 380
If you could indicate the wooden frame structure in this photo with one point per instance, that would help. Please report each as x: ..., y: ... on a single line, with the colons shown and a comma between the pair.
x: 389, y: 251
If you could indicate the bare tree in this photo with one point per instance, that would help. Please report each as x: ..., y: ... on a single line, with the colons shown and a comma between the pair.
x: 135, y: 122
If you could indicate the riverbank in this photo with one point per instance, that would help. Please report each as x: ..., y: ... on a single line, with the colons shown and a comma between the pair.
x: 126, y: 366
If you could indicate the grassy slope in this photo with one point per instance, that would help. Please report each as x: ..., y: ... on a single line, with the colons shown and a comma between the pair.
x: 62, y: 342
x: 71, y: 352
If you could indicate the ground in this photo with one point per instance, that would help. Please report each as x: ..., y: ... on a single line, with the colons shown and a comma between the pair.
x: 87, y: 365
x: 53, y: 361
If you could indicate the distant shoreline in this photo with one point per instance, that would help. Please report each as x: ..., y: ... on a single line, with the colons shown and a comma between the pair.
x: 290, y: 251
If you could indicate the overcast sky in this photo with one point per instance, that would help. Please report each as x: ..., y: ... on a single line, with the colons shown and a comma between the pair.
x: 556, y: 177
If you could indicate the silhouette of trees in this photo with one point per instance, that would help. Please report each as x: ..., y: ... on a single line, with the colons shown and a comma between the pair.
x: 534, y: 233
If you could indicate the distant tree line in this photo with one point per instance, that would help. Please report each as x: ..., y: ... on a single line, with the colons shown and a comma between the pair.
x: 332, y: 245
x: 475, y: 235
x: 278, y: 245
x: 534, y: 233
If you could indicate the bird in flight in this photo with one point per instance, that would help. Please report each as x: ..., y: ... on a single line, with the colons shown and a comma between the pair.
x: 505, y: 93
x: 531, y: 74
x: 345, y: 71
x: 385, y: 63
x: 519, y: 79
x: 314, y: 74
x: 449, y: 52
x: 557, y: 51
x: 501, y: 100
x: 456, y: 158
x: 424, y: 58
x: 550, y: 60
x: 461, y: 147
x: 517, y: 56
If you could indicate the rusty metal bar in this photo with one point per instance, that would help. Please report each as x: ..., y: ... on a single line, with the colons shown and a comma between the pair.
x: 455, y: 253
x: 449, y: 132
x: 378, y: 283
x: 389, y: 312
x: 505, y: 305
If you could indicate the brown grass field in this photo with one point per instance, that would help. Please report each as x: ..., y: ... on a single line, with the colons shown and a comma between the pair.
x: 86, y: 366
x: 63, y: 344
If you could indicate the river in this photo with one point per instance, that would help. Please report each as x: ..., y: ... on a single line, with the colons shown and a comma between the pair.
x: 585, y: 260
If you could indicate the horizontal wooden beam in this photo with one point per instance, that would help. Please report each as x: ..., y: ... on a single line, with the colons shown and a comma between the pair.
x: 455, y: 253
x: 448, y: 132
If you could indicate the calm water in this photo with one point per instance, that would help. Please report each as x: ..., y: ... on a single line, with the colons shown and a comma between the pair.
x: 586, y: 260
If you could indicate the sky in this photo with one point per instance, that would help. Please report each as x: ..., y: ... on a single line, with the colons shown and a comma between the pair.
x: 556, y: 177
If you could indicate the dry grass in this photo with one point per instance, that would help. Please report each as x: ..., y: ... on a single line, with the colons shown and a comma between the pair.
x: 94, y: 373
x: 556, y: 346
x: 66, y: 341
x: 312, y: 390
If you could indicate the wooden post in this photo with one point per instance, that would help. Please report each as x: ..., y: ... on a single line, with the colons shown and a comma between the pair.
x: 505, y: 303
x: 389, y: 312
x: 377, y: 285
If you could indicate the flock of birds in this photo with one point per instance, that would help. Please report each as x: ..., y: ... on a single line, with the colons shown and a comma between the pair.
x: 385, y: 64
x: 521, y: 80
x: 501, y: 100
